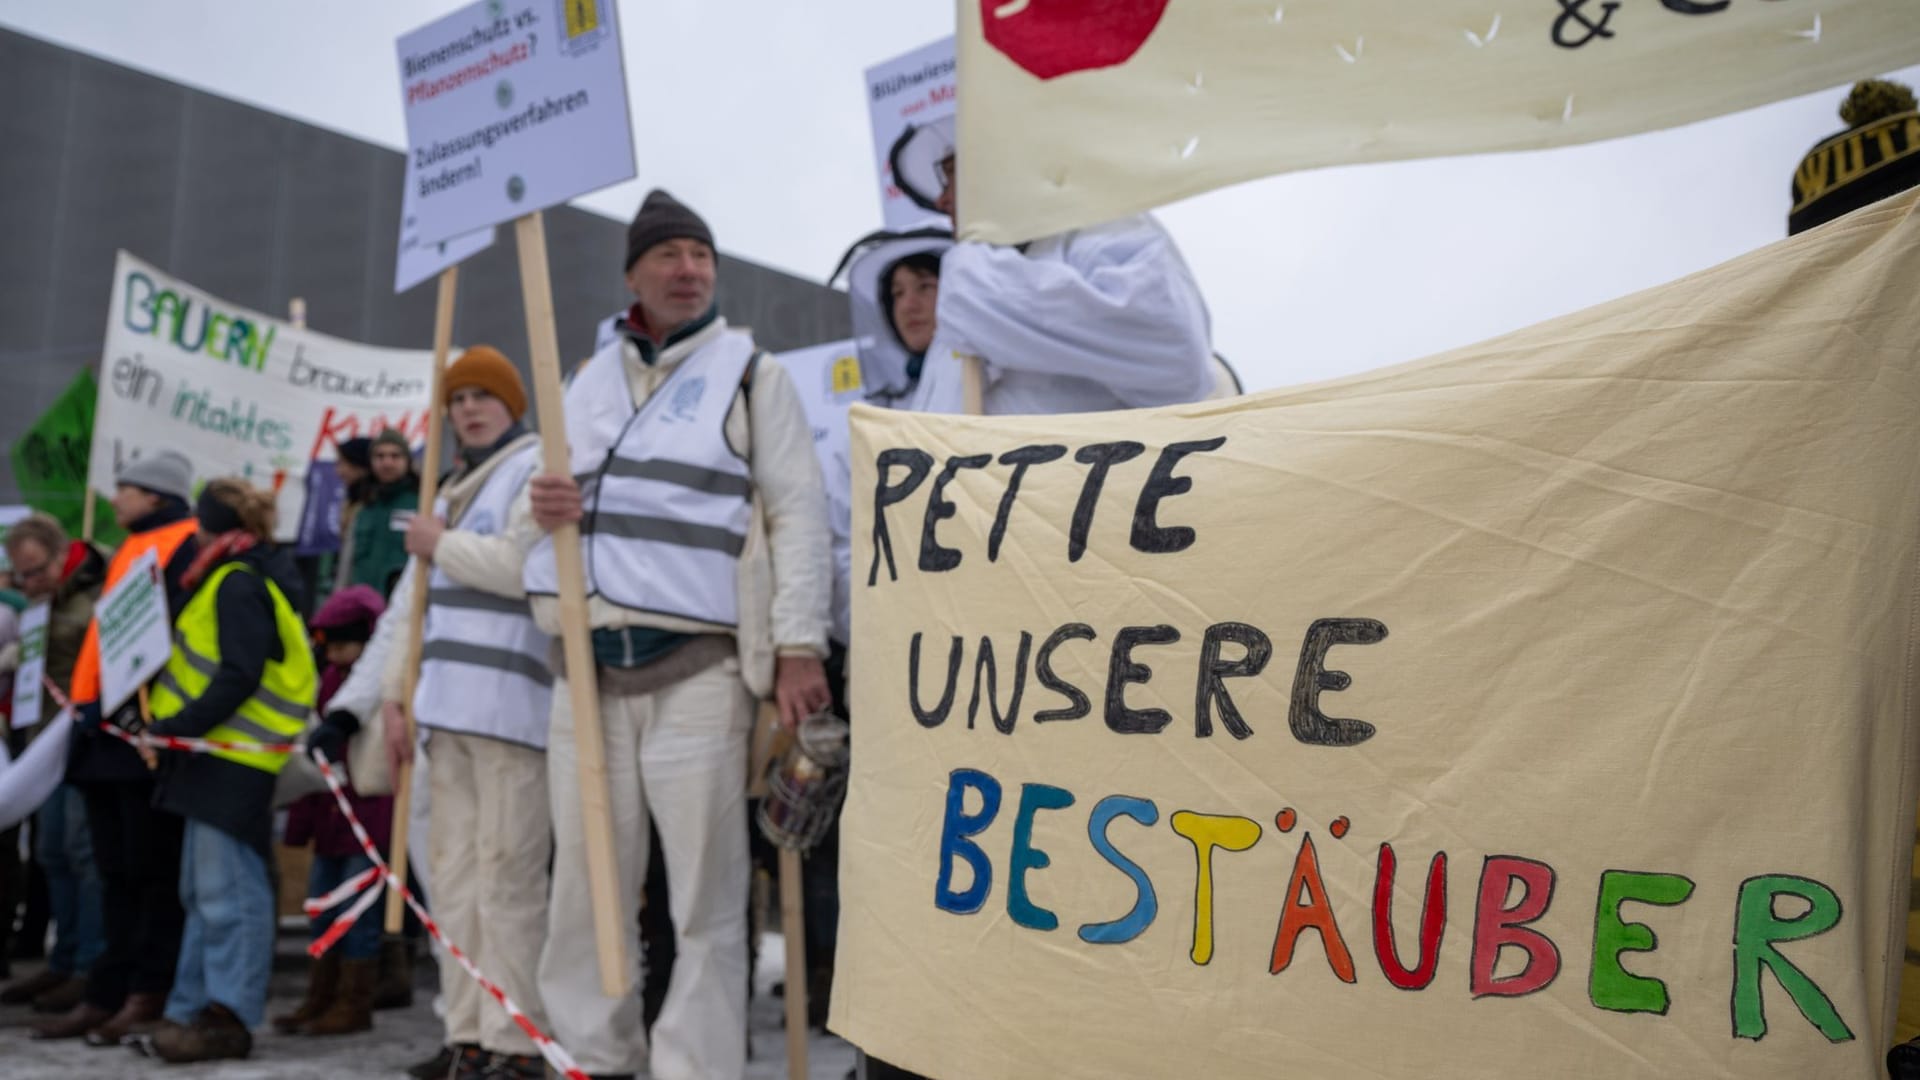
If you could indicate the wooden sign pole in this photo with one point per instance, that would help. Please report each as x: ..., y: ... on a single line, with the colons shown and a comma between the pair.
x: 596, y: 807
x: 973, y: 382
x: 422, y: 570
x: 792, y: 928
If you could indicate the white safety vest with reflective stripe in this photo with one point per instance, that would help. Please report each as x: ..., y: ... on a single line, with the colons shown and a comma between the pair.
x: 667, y: 499
x: 483, y: 663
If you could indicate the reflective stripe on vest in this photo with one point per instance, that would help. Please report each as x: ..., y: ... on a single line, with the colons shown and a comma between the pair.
x: 668, y: 501
x: 84, y: 687
x: 278, y: 708
x: 483, y: 662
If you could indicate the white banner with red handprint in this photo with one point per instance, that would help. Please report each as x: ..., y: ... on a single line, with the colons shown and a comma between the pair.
x: 1081, y: 111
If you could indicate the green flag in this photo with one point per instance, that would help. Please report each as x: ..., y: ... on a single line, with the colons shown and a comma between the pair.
x: 50, y: 461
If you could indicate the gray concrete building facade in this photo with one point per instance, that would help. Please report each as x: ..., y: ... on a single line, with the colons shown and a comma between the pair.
x: 258, y: 208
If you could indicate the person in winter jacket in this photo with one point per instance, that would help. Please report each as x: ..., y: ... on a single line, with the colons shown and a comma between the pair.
x: 136, y: 847
x: 242, y: 674
x: 483, y: 699
x: 67, y: 575
x: 341, y: 983
x: 379, y: 529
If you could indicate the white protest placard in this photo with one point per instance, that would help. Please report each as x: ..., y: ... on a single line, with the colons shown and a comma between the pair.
x: 909, y: 92
x: 241, y: 393
x: 415, y: 260
x: 135, y: 634
x: 512, y: 107
x: 33, y: 664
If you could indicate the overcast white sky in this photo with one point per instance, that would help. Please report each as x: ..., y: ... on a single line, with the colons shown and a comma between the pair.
x: 752, y: 111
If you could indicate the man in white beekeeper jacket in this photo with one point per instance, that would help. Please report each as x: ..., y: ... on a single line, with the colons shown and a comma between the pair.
x: 704, y: 537
x: 1106, y: 317
x: 483, y: 699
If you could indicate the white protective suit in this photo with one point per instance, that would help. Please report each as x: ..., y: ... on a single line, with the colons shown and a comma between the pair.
x: 1107, y: 317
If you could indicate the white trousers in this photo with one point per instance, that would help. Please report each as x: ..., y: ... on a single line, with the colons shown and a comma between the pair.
x: 679, y: 756
x: 490, y: 841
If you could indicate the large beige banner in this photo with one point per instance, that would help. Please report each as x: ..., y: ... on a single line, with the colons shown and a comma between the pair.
x: 1544, y: 708
x: 1081, y: 111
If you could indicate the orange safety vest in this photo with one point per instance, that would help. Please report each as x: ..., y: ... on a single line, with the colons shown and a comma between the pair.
x: 163, y: 541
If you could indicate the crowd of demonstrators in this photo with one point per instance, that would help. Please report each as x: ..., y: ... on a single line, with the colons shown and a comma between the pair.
x: 715, y: 547
x: 717, y: 554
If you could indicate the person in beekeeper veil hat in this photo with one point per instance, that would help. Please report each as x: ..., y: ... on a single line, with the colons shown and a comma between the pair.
x: 893, y: 284
x: 1106, y: 317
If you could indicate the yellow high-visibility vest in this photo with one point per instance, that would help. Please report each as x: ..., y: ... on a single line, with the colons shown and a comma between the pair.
x: 278, y: 710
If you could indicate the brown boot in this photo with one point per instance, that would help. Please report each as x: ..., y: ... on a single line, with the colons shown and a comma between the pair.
x: 24, y: 991
x: 395, y: 987
x: 140, y: 1009
x: 216, y: 1033
x: 63, y: 997
x: 323, y: 981
x: 71, y: 1024
x: 352, y: 1007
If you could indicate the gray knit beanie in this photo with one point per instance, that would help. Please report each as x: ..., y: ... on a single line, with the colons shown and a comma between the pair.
x: 661, y: 218
x: 165, y: 472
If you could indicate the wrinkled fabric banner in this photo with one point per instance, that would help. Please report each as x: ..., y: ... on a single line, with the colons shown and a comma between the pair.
x: 243, y: 394
x: 1079, y: 112
x: 1543, y: 708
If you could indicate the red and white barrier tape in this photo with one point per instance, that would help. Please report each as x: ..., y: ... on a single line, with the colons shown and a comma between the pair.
x: 555, y: 1054
x: 320, y: 905
x: 338, y: 928
x: 196, y: 746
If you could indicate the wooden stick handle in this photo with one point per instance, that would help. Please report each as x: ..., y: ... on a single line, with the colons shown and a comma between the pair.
x: 422, y: 570
x: 596, y: 806
x: 793, y: 929
x: 147, y: 755
x: 973, y: 381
